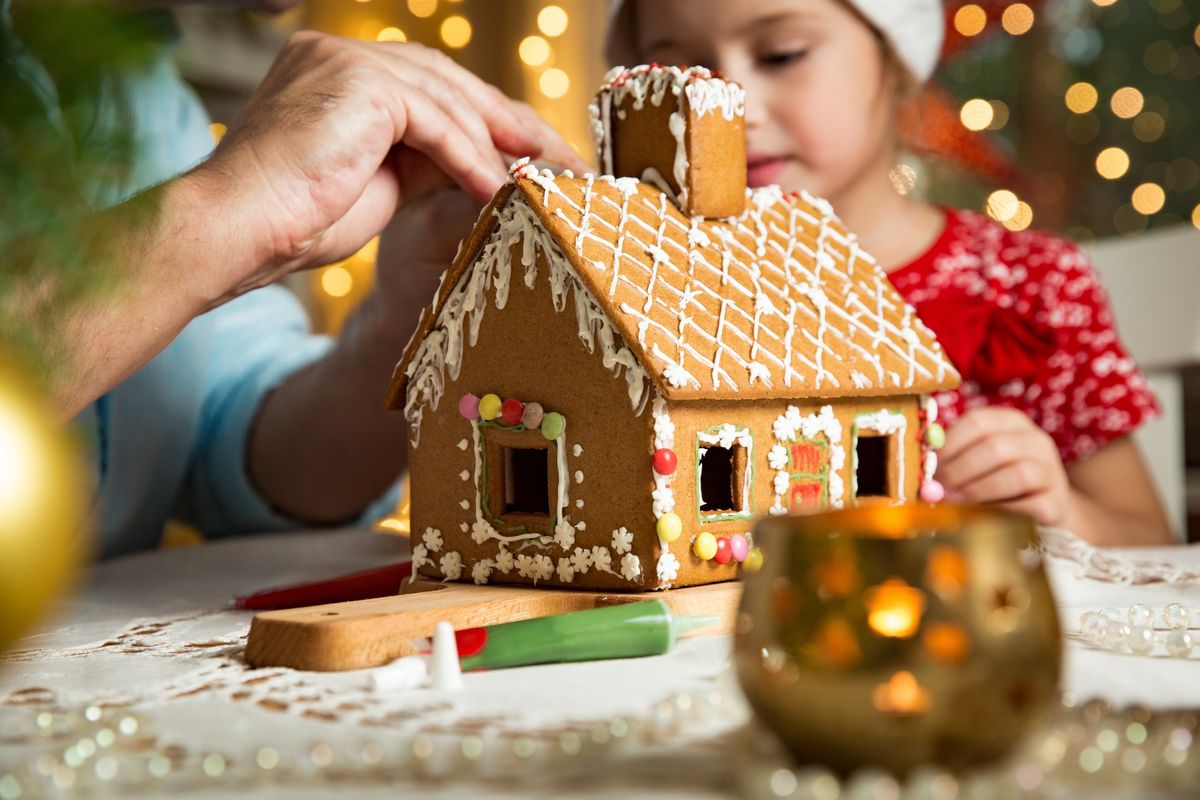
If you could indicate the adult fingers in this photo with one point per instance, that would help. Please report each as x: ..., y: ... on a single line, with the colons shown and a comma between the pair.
x: 1041, y: 506
x: 554, y: 148
x: 506, y: 128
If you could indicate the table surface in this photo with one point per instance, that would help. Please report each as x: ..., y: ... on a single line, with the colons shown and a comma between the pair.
x: 153, y: 631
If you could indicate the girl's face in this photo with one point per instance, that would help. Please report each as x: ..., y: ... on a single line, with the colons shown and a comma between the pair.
x: 819, y: 101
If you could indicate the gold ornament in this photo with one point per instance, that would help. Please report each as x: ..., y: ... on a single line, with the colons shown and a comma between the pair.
x: 937, y: 643
x: 43, y: 497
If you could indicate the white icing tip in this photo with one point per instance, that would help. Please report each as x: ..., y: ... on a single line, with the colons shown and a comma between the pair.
x: 447, y: 672
x: 410, y: 672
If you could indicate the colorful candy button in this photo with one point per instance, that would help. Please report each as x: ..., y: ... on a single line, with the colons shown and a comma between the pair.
x: 724, y: 550
x: 511, y: 411
x: 932, y: 491
x: 468, y: 406
x: 489, y: 406
x: 665, y: 461
x: 531, y: 417
x: 669, y: 527
x: 935, y: 435
x: 553, y: 424
x: 739, y: 547
x: 754, y: 560
x: 705, y: 546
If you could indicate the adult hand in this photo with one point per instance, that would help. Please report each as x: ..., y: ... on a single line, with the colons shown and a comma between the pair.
x: 999, y: 456
x: 338, y: 136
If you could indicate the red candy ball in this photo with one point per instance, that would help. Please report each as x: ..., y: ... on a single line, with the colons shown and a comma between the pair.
x: 724, y: 550
x: 665, y: 461
x: 511, y: 411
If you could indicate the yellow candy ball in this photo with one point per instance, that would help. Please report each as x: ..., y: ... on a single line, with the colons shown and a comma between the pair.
x: 489, y: 406
x: 705, y: 546
x: 754, y: 560
x: 670, y: 526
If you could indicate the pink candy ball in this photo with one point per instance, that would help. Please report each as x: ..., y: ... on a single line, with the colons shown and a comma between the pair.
x: 739, y: 546
x: 932, y: 491
x: 468, y: 406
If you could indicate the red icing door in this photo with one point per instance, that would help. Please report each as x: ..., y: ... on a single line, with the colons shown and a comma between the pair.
x: 808, y: 475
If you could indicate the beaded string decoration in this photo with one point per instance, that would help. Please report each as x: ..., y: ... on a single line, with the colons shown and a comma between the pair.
x: 1135, y: 630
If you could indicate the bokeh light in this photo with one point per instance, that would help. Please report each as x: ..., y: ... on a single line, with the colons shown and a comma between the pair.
x: 976, y: 114
x: 552, y: 21
x: 337, y: 281
x: 1021, y: 219
x: 970, y: 20
x: 1000, y: 115
x: 554, y: 83
x: 1017, y: 19
x: 1081, y: 97
x: 391, y: 34
x: 1148, y: 198
x: 534, y: 50
x: 1127, y: 102
x: 1112, y: 163
x: 422, y: 8
x: 1149, y: 126
x: 1196, y: 216
x: 456, y: 31
x: 1003, y: 204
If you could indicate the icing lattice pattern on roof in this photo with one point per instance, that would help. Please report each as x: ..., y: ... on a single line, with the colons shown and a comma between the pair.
x: 777, y: 302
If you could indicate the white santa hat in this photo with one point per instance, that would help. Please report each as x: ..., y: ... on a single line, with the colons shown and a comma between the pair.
x: 913, y: 28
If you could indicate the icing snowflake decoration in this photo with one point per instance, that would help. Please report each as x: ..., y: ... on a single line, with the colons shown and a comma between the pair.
x: 451, y: 565
x: 601, y: 559
x: 631, y: 567
x: 582, y: 560
x: 622, y: 540
x: 668, y: 566
x: 420, y: 556
x: 566, y: 572
x: 432, y: 539
x: 564, y: 534
x: 482, y: 570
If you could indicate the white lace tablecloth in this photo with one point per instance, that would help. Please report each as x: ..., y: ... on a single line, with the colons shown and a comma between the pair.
x: 153, y: 632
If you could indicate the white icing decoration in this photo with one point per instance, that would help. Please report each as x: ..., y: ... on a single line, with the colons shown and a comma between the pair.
x: 543, y: 568
x: 432, y: 539
x: 792, y: 425
x: 668, y: 566
x: 577, y: 451
x: 464, y: 527
x: 420, y: 557
x: 579, y: 476
x: 663, y: 496
x: 465, y: 475
x: 631, y: 567
x: 525, y: 566
x: 582, y: 560
x: 564, y: 534
x: 777, y: 458
x: 482, y: 530
x: 579, y: 503
x: 466, y: 504
x: 451, y: 565
x: 885, y: 423
x: 601, y: 559
x: 504, y: 560
x: 462, y: 445
x: 482, y: 570
x: 566, y: 572
x: 622, y: 540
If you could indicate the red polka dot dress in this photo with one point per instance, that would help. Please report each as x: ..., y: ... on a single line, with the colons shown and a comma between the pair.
x: 1024, y: 318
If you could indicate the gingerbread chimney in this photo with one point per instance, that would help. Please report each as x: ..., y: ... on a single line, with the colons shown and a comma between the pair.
x: 683, y: 129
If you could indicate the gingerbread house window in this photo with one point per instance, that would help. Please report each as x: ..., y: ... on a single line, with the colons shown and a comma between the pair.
x: 526, y: 480
x: 871, y: 460
x: 723, y: 473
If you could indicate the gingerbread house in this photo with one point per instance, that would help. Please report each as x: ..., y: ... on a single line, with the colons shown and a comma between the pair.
x: 620, y: 372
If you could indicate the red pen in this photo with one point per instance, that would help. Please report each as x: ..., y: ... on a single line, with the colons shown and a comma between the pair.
x: 377, y: 582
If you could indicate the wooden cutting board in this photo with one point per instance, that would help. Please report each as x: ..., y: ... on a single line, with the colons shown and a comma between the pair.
x: 369, y: 633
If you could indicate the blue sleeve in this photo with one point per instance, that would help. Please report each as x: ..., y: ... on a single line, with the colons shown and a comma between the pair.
x: 257, y: 341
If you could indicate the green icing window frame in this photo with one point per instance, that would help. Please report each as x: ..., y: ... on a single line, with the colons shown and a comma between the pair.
x: 821, y: 476
x: 747, y: 511
x: 498, y: 521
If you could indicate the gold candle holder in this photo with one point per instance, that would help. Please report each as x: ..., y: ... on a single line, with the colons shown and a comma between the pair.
x: 899, y: 636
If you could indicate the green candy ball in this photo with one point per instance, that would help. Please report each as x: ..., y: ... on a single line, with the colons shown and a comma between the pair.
x: 553, y: 424
x: 935, y: 436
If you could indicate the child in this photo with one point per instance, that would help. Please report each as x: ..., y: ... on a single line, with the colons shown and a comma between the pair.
x: 1049, y: 398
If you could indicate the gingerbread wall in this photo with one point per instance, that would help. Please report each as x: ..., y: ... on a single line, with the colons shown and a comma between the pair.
x: 760, y: 417
x: 531, y: 352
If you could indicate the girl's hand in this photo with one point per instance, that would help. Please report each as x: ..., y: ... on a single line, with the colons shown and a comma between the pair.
x: 999, y: 456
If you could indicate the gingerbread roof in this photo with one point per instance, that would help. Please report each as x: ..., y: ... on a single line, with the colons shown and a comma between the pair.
x: 777, y: 302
